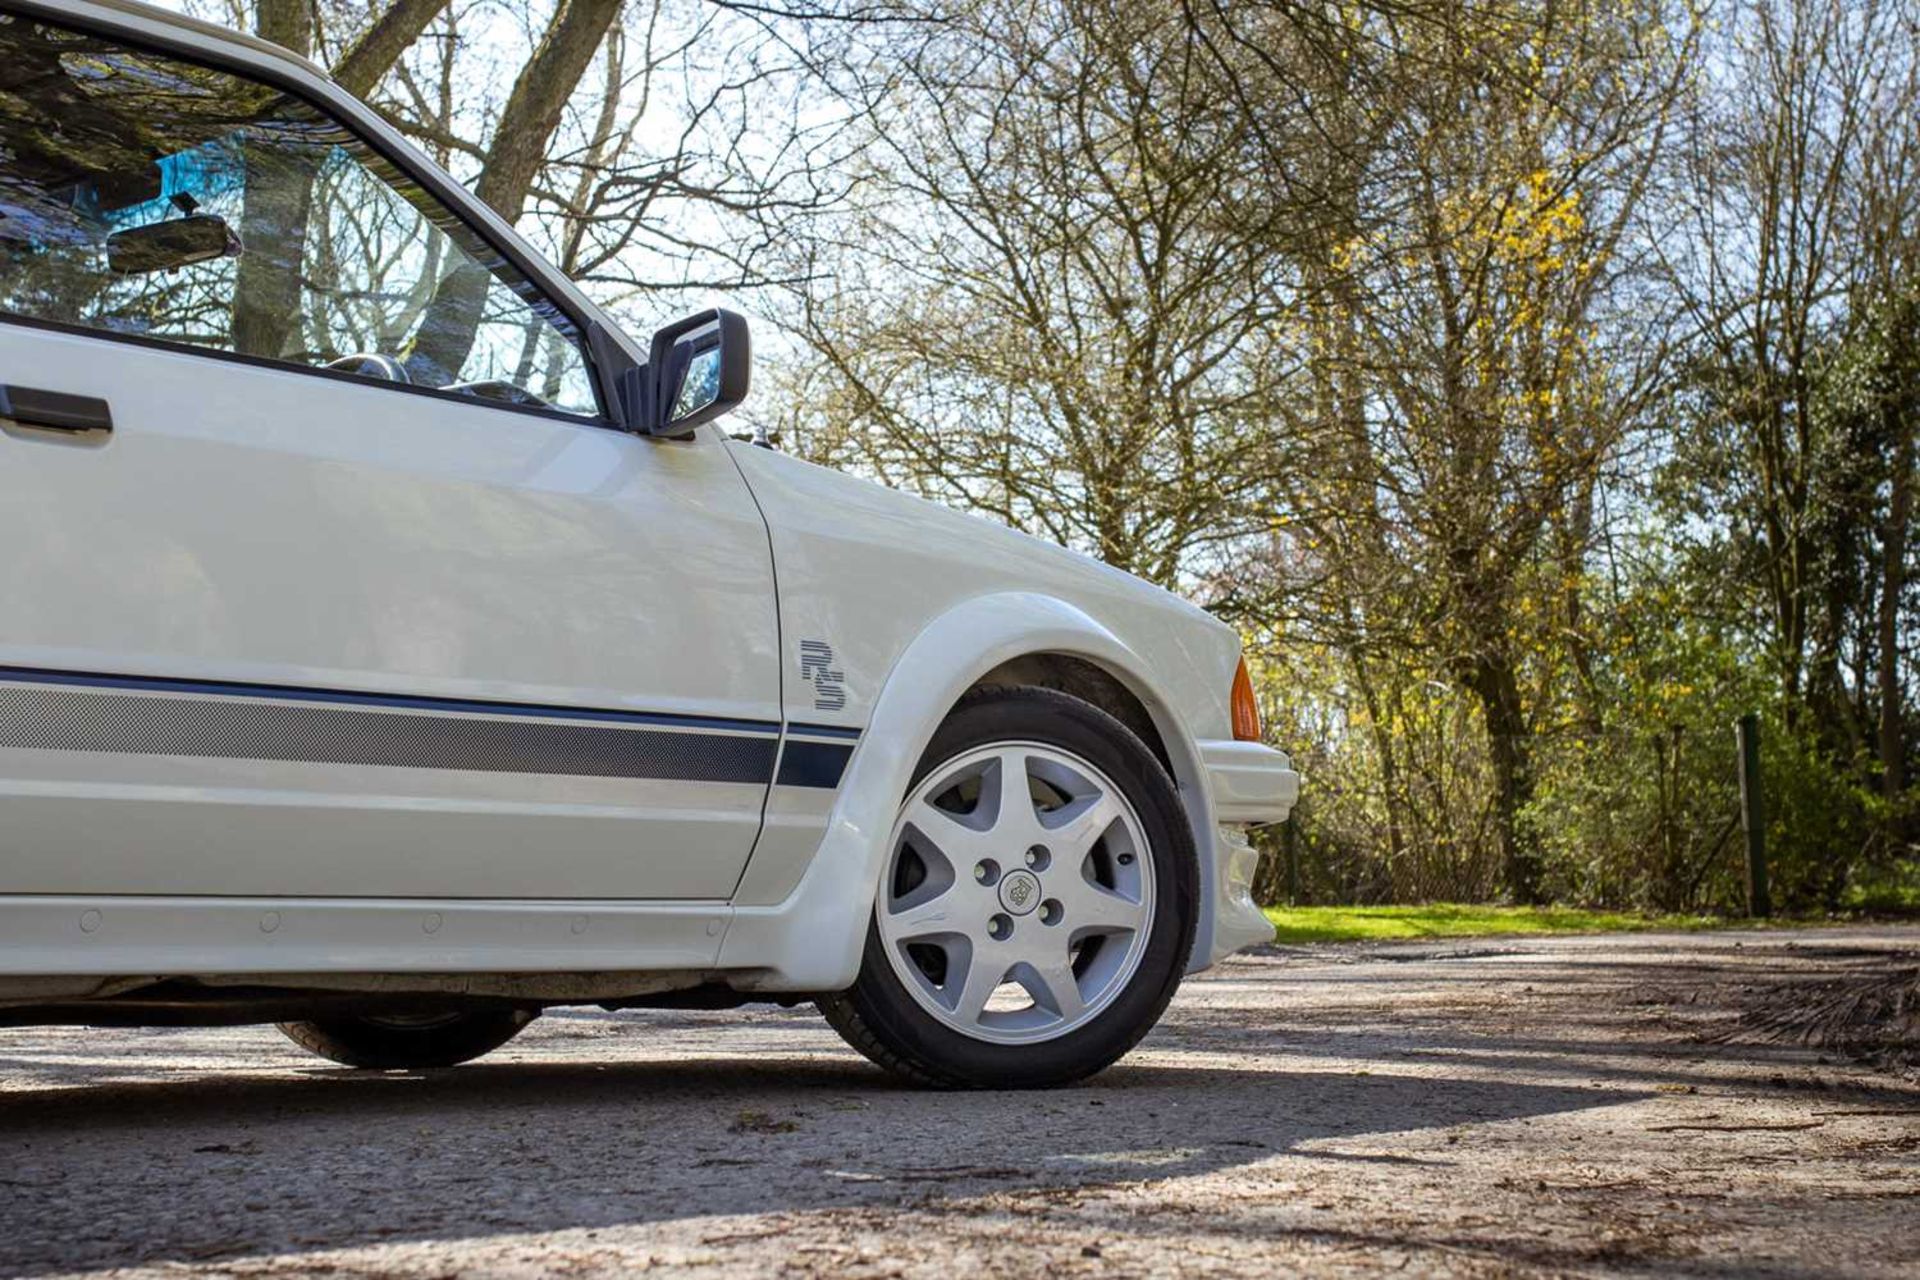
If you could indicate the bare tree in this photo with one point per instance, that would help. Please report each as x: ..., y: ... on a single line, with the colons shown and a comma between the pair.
x: 1038, y: 304
x: 1801, y: 164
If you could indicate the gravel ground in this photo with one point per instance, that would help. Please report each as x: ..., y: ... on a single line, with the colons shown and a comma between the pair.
x: 1498, y: 1107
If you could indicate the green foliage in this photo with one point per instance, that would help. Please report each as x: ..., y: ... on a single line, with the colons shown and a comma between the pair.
x: 1822, y: 820
x: 1636, y: 800
x: 1887, y: 890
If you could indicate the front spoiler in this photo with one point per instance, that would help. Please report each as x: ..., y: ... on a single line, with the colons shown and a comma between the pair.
x: 1250, y: 781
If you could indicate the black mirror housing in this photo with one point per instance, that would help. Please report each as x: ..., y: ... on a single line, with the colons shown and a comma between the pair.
x: 163, y: 246
x: 698, y: 368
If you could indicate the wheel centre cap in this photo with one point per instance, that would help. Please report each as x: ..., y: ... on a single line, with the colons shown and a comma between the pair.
x: 1020, y: 892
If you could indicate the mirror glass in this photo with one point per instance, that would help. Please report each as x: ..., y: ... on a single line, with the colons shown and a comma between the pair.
x: 701, y: 385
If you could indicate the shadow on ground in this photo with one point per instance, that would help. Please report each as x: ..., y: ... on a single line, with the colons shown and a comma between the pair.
x: 198, y: 1169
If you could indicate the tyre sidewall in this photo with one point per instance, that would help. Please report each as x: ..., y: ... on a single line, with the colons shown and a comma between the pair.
x: 370, y: 1045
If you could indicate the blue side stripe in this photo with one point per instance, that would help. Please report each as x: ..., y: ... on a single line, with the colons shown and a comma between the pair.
x: 823, y: 731
x: 241, y: 689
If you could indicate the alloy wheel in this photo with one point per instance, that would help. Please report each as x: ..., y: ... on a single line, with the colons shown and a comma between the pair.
x: 1019, y: 893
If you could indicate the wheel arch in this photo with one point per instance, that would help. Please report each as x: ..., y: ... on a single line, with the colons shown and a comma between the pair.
x: 811, y: 941
x: 1088, y: 681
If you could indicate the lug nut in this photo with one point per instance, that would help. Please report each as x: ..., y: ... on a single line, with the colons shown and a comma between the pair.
x: 1000, y: 927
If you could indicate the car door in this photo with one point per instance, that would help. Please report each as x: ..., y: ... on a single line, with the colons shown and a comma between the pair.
x: 320, y: 572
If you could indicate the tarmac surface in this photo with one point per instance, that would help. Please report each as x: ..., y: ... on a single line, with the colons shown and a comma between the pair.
x: 1494, y: 1107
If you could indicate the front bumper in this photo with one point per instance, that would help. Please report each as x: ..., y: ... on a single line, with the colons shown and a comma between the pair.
x: 1250, y: 784
x: 1250, y: 781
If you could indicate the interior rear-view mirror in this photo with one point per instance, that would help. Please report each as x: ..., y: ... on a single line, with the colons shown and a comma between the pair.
x: 163, y: 246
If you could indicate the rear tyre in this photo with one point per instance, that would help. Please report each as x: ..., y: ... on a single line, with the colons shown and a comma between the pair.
x: 401, y: 1042
x: 1038, y: 902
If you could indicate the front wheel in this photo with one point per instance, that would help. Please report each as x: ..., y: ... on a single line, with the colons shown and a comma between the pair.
x: 1038, y: 903
x: 397, y: 1042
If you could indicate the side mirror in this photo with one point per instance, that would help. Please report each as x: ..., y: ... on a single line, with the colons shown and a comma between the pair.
x: 162, y: 246
x: 697, y: 369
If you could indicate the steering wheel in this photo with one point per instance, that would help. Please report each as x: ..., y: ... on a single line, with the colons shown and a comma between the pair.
x: 371, y: 364
x: 498, y: 389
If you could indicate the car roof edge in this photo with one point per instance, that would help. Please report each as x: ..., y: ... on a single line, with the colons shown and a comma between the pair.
x: 211, y: 30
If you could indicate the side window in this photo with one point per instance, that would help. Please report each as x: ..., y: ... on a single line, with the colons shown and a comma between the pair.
x: 147, y: 196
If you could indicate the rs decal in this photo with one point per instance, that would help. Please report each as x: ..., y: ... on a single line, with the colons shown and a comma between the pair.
x: 817, y: 669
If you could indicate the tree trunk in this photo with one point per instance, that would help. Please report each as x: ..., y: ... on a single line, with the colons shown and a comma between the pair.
x: 288, y: 23
x: 1383, y: 744
x: 274, y: 212
x: 278, y: 204
x: 360, y: 68
x: 1494, y: 682
x: 513, y: 161
x: 1893, y: 586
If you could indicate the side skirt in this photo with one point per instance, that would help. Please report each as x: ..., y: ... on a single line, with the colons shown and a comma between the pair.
x: 48, y: 935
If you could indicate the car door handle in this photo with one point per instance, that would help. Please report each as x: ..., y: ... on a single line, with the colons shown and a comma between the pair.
x: 54, y: 410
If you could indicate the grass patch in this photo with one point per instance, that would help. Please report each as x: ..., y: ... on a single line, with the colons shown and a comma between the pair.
x: 1459, y: 920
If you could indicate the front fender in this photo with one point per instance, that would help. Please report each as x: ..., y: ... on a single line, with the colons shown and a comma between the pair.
x: 812, y: 940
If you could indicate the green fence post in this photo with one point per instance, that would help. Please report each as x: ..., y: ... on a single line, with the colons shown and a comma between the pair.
x: 1752, y: 816
x: 1293, y: 858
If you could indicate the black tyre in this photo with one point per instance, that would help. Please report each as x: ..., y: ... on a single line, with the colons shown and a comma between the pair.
x: 399, y: 1043
x: 1038, y: 903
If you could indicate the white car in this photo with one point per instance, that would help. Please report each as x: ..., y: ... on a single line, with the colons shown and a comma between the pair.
x: 392, y: 649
